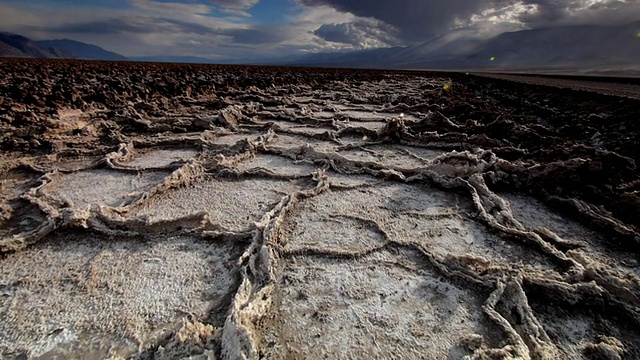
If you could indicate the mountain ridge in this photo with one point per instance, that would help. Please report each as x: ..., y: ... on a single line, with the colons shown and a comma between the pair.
x: 82, y: 50
x: 14, y: 45
x: 579, y: 46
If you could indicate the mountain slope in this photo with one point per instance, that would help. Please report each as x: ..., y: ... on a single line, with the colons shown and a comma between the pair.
x: 575, y: 46
x: 82, y: 50
x: 12, y: 45
x: 568, y: 47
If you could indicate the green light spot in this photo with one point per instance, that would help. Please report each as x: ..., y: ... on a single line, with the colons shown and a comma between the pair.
x: 493, y: 58
x: 638, y: 34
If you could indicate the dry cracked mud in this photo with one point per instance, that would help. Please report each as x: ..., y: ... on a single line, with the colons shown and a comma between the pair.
x: 159, y: 211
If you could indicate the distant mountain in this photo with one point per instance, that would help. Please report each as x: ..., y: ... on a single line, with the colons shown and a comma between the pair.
x: 568, y: 47
x: 372, y: 58
x: 575, y: 46
x: 12, y: 45
x: 584, y: 47
x: 82, y: 50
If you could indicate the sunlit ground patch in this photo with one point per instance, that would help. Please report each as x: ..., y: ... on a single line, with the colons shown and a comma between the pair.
x: 284, y: 141
x: 79, y: 295
x: 375, y: 308
x: 364, y: 115
x: 391, y: 156
x: 370, y: 125
x: 311, y: 130
x: 278, y: 165
x: 233, y: 139
x: 103, y: 187
x: 342, y: 180
x: 420, y: 152
x: 356, y: 220
x: 161, y: 158
x: 235, y: 205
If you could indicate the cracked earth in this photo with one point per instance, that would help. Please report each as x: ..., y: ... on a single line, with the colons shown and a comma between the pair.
x: 157, y: 211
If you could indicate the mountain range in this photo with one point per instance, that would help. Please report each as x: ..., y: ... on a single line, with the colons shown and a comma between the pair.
x: 584, y: 47
x: 12, y: 45
x: 568, y: 47
x: 82, y: 50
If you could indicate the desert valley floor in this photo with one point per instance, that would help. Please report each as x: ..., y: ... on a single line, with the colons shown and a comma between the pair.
x: 161, y: 211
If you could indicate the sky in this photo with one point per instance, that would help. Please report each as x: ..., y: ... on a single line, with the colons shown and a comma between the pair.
x: 236, y: 29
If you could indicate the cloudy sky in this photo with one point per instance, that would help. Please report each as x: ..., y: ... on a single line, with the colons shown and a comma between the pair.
x: 231, y: 29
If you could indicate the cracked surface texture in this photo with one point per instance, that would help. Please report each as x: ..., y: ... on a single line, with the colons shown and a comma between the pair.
x: 160, y: 211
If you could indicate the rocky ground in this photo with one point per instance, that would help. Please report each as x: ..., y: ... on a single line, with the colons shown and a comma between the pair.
x: 161, y: 211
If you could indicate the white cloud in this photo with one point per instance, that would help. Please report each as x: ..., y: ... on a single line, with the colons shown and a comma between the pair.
x: 239, y: 4
x: 173, y: 9
x: 150, y: 28
x: 323, y: 28
x: 361, y: 34
x: 142, y: 30
x: 419, y: 20
x: 497, y: 20
x: 537, y: 13
x: 234, y: 12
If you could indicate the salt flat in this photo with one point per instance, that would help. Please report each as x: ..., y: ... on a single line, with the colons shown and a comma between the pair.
x: 321, y: 223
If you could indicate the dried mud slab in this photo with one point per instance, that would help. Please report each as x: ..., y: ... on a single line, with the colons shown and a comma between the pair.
x: 102, y: 187
x: 356, y: 222
x: 277, y: 165
x: 82, y: 295
x: 373, y: 307
x: 287, y: 141
x: 229, y: 140
x: 391, y: 156
x: 161, y: 158
x: 233, y: 205
x: 588, y: 244
x: 164, y: 211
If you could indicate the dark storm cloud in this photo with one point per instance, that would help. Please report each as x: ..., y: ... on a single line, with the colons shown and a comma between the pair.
x: 550, y: 12
x: 414, y: 18
x: 360, y: 34
x: 419, y: 19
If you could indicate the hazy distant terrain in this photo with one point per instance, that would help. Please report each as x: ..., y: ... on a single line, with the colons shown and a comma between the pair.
x: 569, y: 48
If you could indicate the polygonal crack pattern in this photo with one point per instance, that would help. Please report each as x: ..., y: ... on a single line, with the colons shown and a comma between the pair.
x: 81, y: 293
x: 293, y: 222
